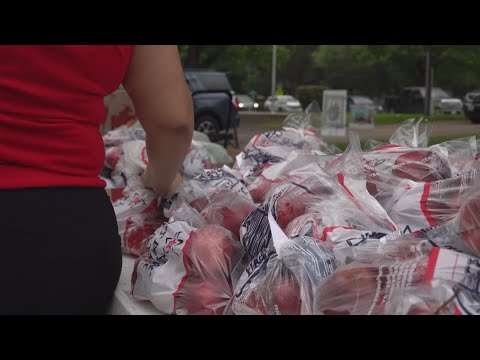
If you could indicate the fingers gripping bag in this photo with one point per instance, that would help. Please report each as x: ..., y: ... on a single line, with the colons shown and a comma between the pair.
x: 279, y: 281
x: 415, y: 206
x: 137, y: 211
x: 189, y: 267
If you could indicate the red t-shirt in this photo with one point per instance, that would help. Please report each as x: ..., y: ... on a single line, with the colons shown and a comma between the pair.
x: 51, y: 107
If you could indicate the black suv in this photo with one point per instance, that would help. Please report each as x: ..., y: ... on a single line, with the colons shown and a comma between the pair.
x: 471, y: 106
x: 216, y: 106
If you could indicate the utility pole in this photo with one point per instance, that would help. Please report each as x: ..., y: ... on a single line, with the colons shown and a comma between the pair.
x: 274, y: 69
x: 428, y: 83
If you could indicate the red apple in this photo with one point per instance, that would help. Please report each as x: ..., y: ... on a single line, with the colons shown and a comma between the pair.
x: 469, y: 223
x: 259, y: 189
x: 228, y: 209
x: 421, y: 166
x: 286, y: 297
x: 349, y: 290
x: 213, y: 251
x: 203, y: 297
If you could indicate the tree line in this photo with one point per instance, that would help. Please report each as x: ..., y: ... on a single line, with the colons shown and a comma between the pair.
x: 373, y: 70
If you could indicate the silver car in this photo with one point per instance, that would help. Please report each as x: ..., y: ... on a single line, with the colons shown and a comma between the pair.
x: 282, y: 103
x: 442, y: 103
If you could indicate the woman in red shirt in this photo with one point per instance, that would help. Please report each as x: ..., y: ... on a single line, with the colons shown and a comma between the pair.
x: 59, y: 242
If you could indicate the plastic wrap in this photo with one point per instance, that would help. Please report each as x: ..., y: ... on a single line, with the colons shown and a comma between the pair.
x: 337, y: 194
x: 461, y: 154
x: 411, y: 133
x: 386, y: 167
x: 188, y: 270
x: 279, y: 281
x: 228, y: 209
x: 373, y: 288
x: 197, y: 191
x: 137, y: 218
x: 415, y: 206
x: 272, y: 147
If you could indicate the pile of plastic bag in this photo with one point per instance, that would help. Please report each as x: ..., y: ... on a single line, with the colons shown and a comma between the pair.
x: 298, y: 228
x: 203, y: 154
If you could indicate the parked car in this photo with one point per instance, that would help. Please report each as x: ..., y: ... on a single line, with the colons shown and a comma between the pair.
x: 471, y: 106
x: 412, y: 100
x: 213, y: 99
x: 363, y: 100
x: 282, y: 103
x: 246, y: 103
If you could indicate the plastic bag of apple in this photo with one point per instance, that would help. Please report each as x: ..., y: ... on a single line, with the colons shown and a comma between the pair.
x: 460, y: 233
x: 203, y: 154
x: 386, y: 166
x: 314, y: 195
x: 285, y: 269
x: 274, y: 147
x: 325, y: 200
x: 401, y: 277
x: 218, y: 193
x: 190, y: 267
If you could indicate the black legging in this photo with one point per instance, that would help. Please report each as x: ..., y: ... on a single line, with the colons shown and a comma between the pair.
x: 59, y: 251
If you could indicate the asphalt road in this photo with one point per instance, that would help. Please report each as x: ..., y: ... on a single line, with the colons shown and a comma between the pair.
x: 251, y: 125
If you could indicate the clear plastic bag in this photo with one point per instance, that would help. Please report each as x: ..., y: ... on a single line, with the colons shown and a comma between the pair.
x: 228, y: 209
x: 266, y: 150
x: 415, y: 206
x: 364, y: 289
x: 137, y: 230
x: 468, y: 222
x: 451, y: 288
x: 273, y: 147
x: 137, y: 218
x: 411, y: 133
x: 188, y: 270
x: 461, y: 233
x: 336, y: 193
x: 197, y: 191
x: 386, y: 167
x: 262, y: 184
x: 372, y: 285
x: 461, y: 153
x: 280, y: 281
